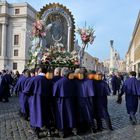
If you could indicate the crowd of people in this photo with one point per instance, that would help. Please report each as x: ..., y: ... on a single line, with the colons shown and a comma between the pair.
x: 7, y: 82
x: 65, y: 103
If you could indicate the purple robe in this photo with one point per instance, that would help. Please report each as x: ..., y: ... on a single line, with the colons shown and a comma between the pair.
x: 23, y: 99
x: 26, y: 98
x: 102, y: 90
x: 85, y: 88
x: 16, y: 87
x: 55, y: 79
x: 65, y: 104
x: 85, y: 92
x: 5, y: 86
x: 131, y: 88
x: 53, y: 101
x: 38, y: 89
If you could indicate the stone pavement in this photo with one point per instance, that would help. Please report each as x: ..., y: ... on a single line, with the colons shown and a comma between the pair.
x: 12, y: 127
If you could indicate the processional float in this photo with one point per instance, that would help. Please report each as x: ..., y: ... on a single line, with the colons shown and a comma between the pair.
x: 53, y: 36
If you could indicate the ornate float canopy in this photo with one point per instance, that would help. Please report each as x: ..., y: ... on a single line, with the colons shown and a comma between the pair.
x: 53, y: 38
x: 62, y: 23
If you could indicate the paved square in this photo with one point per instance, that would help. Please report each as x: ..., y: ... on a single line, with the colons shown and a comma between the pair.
x: 12, y: 127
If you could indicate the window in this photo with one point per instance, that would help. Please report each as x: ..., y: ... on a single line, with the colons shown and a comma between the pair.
x: 16, y: 39
x: 14, y: 66
x: 15, y: 52
x: 17, y: 11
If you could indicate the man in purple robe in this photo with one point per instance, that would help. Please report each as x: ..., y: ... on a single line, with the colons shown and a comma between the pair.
x: 18, y: 81
x: 6, y: 81
x: 38, y: 89
x: 131, y: 88
x: 19, y: 87
x: 26, y: 97
x: 56, y: 77
x: 64, y: 106
x: 84, y: 89
x: 102, y: 90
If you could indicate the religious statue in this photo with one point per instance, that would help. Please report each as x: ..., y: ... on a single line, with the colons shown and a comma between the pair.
x: 57, y: 28
x: 58, y: 31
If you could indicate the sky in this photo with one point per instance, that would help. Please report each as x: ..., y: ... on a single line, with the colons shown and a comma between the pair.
x: 111, y: 20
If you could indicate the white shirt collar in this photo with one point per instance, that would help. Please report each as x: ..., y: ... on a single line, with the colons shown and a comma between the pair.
x: 41, y: 74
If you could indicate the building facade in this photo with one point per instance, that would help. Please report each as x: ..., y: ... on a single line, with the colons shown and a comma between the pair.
x: 93, y: 63
x: 90, y: 62
x: 106, y: 64
x: 121, y: 66
x: 15, y: 23
x: 133, y: 53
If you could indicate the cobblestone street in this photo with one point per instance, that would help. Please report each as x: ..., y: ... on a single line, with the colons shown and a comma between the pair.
x: 12, y: 127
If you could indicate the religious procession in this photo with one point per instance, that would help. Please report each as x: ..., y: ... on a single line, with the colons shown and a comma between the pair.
x: 67, y: 101
x: 57, y: 95
x: 64, y: 102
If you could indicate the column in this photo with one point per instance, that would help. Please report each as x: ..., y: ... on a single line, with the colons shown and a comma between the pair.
x: 111, y: 59
x: 137, y: 68
x: 0, y: 38
x: 3, y: 45
x: 133, y: 66
x: 69, y: 39
x: 95, y: 65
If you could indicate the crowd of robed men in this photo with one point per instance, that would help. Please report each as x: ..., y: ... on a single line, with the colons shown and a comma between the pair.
x: 66, y: 104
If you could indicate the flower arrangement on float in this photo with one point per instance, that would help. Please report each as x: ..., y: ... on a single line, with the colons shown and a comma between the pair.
x: 38, y: 29
x: 58, y: 56
x: 86, y: 34
x: 35, y: 50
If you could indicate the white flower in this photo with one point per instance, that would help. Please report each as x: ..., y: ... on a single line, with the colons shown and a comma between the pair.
x: 35, y: 53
